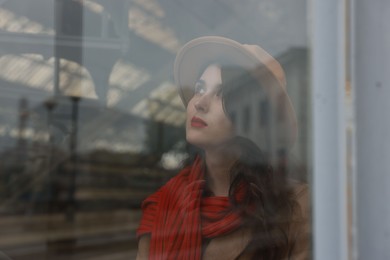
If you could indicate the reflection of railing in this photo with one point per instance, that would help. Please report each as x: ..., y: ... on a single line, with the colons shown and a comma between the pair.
x: 39, y: 229
x: 109, y: 191
x: 32, y: 175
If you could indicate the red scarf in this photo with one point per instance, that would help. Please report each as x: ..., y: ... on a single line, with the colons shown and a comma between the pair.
x: 178, y: 217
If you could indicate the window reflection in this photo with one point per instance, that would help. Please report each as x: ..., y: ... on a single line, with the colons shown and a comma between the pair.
x: 82, y: 144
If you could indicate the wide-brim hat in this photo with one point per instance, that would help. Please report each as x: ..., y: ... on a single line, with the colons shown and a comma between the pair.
x: 195, y: 55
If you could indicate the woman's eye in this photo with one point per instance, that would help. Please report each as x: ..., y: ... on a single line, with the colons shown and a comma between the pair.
x: 199, y: 88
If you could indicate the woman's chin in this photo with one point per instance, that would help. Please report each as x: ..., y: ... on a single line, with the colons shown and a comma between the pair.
x: 196, y: 142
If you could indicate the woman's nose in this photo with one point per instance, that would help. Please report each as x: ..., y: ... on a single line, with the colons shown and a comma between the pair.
x: 202, y: 103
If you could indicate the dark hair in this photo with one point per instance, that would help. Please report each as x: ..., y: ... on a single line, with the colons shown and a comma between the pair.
x: 236, y: 81
x: 268, y: 203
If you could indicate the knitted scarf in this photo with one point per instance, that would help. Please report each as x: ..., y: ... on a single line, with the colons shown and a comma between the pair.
x: 177, y: 217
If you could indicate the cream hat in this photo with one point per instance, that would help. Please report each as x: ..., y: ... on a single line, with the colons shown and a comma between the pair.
x: 195, y: 55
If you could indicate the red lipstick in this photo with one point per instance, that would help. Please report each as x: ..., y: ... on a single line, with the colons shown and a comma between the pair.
x: 197, y: 122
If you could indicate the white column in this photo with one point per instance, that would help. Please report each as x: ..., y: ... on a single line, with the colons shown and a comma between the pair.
x: 371, y: 59
x: 329, y: 187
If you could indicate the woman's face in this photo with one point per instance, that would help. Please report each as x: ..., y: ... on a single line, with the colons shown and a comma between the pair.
x: 207, y: 125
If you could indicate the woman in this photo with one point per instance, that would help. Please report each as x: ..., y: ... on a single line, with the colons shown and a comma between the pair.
x: 233, y: 200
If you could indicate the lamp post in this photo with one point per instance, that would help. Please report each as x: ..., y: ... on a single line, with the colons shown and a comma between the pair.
x: 71, y: 205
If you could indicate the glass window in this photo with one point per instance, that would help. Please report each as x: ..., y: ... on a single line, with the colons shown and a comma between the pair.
x: 92, y: 123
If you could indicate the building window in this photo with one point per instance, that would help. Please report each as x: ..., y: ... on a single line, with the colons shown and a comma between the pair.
x: 264, y: 112
x: 246, y: 116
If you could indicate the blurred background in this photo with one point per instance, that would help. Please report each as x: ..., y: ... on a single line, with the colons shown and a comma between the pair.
x: 91, y: 122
